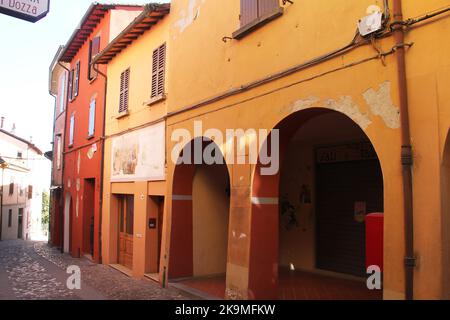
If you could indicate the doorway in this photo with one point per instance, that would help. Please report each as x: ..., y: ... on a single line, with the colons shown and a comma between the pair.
x: 126, y: 230
x: 88, y: 217
x: 67, y: 217
x: 20, y: 224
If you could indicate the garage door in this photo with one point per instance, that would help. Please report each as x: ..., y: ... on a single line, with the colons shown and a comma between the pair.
x: 343, y: 187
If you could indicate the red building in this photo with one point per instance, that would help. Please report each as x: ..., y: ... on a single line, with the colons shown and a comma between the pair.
x: 79, y: 222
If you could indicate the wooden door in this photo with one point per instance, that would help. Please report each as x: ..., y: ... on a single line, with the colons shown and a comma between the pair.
x: 126, y: 230
x: 160, y: 227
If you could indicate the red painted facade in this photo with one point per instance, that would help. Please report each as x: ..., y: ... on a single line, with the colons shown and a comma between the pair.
x: 83, y: 155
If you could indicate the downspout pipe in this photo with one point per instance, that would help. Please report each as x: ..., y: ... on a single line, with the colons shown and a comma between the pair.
x: 61, y: 229
x: 406, y: 151
x: 102, y: 165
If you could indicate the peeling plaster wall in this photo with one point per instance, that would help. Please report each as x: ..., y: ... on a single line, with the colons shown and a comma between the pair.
x: 380, y: 103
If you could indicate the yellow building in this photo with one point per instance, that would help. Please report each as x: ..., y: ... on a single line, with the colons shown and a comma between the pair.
x: 134, y: 164
x: 297, y: 66
x: 353, y: 94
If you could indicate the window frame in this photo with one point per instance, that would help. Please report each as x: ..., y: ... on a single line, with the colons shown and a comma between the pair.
x: 124, y: 91
x: 92, y: 74
x: 91, y: 121
x: 158, y: 86
x: 76, y: 86
x: 260, y: 20
x: 72, y: 130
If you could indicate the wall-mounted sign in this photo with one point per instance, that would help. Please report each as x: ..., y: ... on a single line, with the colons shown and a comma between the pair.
x: 29, y: 10
x: 347, y: 152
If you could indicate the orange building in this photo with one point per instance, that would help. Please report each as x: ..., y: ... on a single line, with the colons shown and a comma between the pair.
x: 84, y: 127
x: 354, y: 95
x: 306, y: 151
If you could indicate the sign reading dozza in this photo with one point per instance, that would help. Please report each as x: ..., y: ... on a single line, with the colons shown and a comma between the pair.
x: 29, y: 10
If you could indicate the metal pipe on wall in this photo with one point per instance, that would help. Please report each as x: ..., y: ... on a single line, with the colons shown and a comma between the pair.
x: 406, y: 152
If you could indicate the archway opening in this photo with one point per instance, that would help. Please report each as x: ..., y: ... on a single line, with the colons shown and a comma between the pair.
x: 200, y: 216
x: 330, y: 180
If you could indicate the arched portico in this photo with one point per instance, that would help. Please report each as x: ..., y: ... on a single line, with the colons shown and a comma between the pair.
x: 308, y: 220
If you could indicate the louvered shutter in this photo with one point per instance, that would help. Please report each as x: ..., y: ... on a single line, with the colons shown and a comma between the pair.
x: 94, y: 49
x: 124, y: 90
x: 267, y: 6
x: 70, y: 87
x: 249, y: 11
x: 158, y: 71
x: 77, y: 79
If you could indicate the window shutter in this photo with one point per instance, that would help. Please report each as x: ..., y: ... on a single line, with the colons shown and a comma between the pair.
x: 77, y: 79
x: 158, y: 71
x: 70, y: 88
x: 267, y: 6
x: 249, y: 11
x: 124, y: 90
x: 93, y: 50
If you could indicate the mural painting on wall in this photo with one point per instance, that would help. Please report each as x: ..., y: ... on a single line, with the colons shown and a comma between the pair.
x: 139, y: 155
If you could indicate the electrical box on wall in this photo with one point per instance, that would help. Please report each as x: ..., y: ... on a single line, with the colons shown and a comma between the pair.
x: 370, y: 24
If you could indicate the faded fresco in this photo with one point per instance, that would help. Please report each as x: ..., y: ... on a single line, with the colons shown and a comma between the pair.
x: 139, y: 155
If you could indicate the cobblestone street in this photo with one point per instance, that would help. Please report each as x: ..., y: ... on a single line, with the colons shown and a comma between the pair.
x: 34, y: 271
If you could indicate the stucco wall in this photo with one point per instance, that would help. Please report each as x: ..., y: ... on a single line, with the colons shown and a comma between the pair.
x: 210, y: 220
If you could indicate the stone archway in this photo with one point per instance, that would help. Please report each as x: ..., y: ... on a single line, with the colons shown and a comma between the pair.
x: 200, y: 214
x: 301, y: 216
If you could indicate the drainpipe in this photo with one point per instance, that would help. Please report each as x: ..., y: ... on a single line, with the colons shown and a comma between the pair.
x: 102, y: 165
x: 61, y: 229
x: 406, y: 153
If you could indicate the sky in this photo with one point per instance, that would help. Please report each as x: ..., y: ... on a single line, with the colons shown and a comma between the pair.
x: 26, y: 52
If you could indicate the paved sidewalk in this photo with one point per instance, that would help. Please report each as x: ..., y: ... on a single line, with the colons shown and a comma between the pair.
x: 33, y: 270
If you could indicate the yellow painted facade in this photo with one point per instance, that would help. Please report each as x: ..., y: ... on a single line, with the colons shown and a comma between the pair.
x: 308, y: 29
x: 138, y: 58
x: 216, y: 82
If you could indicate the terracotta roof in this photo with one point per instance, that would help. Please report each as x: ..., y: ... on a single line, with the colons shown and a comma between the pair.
x: 152, y: 14
x: 30, y: 145
x: 95, y: 13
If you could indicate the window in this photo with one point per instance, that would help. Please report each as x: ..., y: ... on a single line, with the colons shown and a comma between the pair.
x: 19, y: 155
x: 71, y: 129
x: 158, y: 72
x: 124, y: 90
x: 10, y: 218
x: 58, y: 152
x: 70, y: 88
x: 92, y: 118
x: 94, y: 48
x: 30, y: 192
x: 126, y: 214
x: 77, y: 80
x: 255, y: 13
x: 62, y: 92
x: 11, y: 187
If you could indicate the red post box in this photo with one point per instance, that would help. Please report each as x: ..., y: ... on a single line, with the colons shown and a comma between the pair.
x: 374, y: 239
